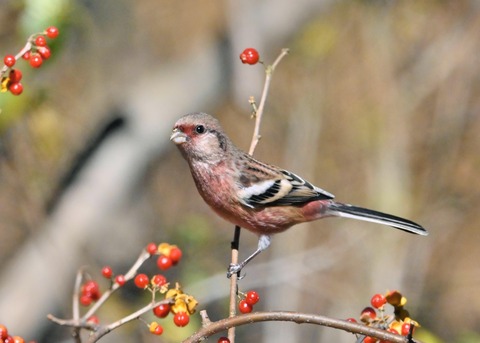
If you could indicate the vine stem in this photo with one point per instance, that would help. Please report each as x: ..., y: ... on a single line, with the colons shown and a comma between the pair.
x: 299, y: 318
x: 255, y: 139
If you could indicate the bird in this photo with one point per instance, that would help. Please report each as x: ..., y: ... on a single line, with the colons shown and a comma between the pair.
x: 257, y: 196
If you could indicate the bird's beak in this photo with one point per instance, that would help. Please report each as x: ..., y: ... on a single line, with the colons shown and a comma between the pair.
x: 178, y: 137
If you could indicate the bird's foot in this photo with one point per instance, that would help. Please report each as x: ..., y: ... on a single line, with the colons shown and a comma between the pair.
x: 235, y: 269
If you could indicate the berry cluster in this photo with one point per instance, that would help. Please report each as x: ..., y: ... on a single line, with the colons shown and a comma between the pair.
x: 250, y: 56
x: 89, y: 292
x: 178, y: 303
x: 169, y: 255
x: 35, y: 51
x: 245, y: 305
x: 5, y: 337
x: 399, y: 323
x: 181, y: 305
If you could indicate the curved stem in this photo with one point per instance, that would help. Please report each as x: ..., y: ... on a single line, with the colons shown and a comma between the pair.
x: 299, y: 318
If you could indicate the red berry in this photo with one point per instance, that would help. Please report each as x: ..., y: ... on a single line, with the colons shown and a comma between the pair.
x: 368, y: 314
x: 45, y: 52
x: 159, y: 280
x: 155, y: 328
x: 91, y: 289
x: 26, y: 56
x: 9, y: 339
x: 15, y: 75
x: 85, y: 300
x: 406, y: 329
x: 175, y: 255
x: 52, y: 32
x: 252, y: 298
x: 369, y: 339
x: 250, y: 56
x: 378, y: 300
x: 151, y: 248
x: 40, y: 41
x: 181, y: 319
x: 141, y: 281
x: 36, y: 60
x: 107, y: 272
x: 18, y: 339
x: 244, y: 307
x: 93, y: 319
x: 120, y: 279
x: 351, y: 320
x: 223, y: 340
x: 158, y: 330
x: 162, y: 310
x: 3, y: 332
x: 9, y: 60
x: 16, y: 88
x: 164, y: 262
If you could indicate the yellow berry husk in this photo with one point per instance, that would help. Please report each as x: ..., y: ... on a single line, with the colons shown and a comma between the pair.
x: 164, y: 249
x: 152, y: 327
x: 173, y: 293
x: 179, y: 306
x: 396, y: 325
x: 5, y: 82
x: 192, y: 304
x: 411, y: 321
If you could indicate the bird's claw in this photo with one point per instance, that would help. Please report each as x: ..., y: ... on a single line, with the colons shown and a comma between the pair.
x: 235, y: 269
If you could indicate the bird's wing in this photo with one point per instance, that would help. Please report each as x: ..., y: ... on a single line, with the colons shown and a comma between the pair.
x: 262, y: 185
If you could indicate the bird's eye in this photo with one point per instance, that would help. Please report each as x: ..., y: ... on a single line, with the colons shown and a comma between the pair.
x: 200, y: 129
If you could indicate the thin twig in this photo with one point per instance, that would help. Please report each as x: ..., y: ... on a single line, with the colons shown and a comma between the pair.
x: 299, y: 318
x: 144, y: 255
x: 99, y: 330
x: 135, y: 315
x: 233, y: 282
x: 79, y: 323
x: 27, y: 47
x: 76, y: 304
x: 259, y: 113
x: 76, y: 292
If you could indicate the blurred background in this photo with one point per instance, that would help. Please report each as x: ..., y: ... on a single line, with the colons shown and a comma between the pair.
x: 378, y: 103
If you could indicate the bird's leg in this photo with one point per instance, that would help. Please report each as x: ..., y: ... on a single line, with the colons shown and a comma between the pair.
x: 263, y: 243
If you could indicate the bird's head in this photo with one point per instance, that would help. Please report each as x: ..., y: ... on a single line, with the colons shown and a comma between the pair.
x: 200, y: 137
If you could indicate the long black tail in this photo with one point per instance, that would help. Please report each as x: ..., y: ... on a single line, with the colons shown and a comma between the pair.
x: 354, y: 212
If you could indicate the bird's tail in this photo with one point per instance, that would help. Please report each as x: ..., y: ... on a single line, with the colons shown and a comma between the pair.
x: 354, y: 212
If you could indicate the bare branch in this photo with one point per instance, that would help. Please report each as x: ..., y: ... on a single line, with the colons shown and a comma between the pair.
x: 258, y: 113
x: 299, y: 318
x: 144, y: 255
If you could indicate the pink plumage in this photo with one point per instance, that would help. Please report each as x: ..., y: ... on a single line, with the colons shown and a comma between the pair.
x: 254, y: 195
